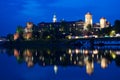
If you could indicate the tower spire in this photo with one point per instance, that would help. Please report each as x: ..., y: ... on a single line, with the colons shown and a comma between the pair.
x: 54, y: 18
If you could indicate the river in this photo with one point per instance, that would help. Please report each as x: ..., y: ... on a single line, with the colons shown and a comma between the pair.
x: 53, y: 63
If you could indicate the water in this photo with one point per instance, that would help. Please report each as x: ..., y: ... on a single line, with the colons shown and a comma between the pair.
x: 60, y: 63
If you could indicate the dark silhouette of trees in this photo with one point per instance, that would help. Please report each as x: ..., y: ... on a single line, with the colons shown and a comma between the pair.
x: 20, y: 30
x: 117, y: 26
x: 10, y: 37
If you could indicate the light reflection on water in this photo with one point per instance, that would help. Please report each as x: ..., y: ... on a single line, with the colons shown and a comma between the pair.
x: 65, y: 57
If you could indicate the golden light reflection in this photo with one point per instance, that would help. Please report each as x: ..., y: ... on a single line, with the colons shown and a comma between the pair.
x: 27, y: 52
x: 48, y: 51
x: 95, y: 51
x: 28, y: 57
x: 113, y: 54
x: 89, y: 67
x: 70, y: 51
x: 75, y: 62
x: 71, y: 58
x: 104, y: 63
x: 30, y: 63
x: 85, y: 52
x: 16, y: 53
x: 86, y: 59
x: 77, y: 51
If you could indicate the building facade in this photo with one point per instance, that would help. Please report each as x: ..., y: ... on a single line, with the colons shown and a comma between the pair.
x: 88, y: 20
x: 102, y: 22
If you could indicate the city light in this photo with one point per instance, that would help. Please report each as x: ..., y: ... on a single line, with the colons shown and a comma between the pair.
x: 55, y: 69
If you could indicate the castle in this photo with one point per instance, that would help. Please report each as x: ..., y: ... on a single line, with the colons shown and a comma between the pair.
x: 64, y: 26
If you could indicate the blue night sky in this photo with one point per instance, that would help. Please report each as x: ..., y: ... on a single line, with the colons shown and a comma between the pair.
x: 18, y: 12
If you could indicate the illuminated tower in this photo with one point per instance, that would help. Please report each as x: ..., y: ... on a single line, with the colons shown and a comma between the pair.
x: 54, y: 19
x: 88, y: 20
x: 102, y: 22
x: 29, y: 25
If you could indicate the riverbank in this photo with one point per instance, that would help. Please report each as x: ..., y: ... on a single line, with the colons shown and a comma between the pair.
x: 38, y: 43
x: 86, y: 42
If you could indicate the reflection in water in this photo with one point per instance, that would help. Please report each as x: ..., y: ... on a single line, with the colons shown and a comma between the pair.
x: 104, y: 62
x: 89, y: 67
x: 66, y: 57
x: 16, y: 53
x: 28, y: 57
x: 55, y: 68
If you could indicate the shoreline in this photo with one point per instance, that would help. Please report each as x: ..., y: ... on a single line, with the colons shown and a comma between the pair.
x: 64, y: 42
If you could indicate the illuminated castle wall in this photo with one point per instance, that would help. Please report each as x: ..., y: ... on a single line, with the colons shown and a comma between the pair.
x: 88, y: 19
x: 29, y: 25
x: 102, y: 22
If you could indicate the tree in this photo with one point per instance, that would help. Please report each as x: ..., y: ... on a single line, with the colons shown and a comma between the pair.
x: 112, y: 33
x: 10, y: 37
x: 64, y: 27
x: 35, y: 32
x: 106, y: 31
x: 20, y: 30
x: 117, y: 26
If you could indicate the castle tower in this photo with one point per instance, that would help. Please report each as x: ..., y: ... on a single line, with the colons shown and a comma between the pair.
x: 102, y: 22
x: 54, y: 19
x: 29, y: 25
x: 88, y: 19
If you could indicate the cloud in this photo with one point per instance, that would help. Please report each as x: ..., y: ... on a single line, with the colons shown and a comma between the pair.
x: 72, y: 3
x: 31, y: 8
x: 36, y: 7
